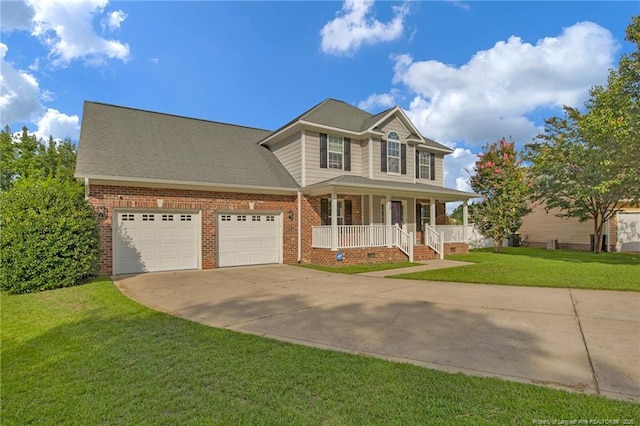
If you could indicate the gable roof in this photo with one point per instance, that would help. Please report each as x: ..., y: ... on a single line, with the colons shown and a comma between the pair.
x: 339, y: 115
x: 127, y: 144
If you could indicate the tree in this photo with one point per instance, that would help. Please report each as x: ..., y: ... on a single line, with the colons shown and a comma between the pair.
x: 456, y: 216
x: 49, y: 235
x: 587, y: 164
x: 25, y: 156
x: 499, y: 179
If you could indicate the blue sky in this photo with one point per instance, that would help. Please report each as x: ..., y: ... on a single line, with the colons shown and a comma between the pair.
x: 467, y: 73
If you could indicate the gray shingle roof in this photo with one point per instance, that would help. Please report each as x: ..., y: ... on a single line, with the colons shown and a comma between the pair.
x: 126, y: 143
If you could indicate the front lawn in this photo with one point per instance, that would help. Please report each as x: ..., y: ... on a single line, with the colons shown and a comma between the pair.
x: 525, y: 266
x: 360, y: 269
x: 88, y: 355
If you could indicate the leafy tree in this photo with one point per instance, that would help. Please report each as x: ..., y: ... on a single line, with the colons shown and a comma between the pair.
x: 587, y: 164
x: 25, y: 156
x: 456, y: 216
x: 49, y: 235
x: 499, y: 179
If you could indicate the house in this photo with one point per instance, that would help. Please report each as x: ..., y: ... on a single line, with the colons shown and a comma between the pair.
x: 336, y: 184
x: 621, y: 233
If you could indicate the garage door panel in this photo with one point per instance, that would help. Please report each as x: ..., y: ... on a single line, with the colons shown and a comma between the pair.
x: 143, y: 242
x: 249, y: 239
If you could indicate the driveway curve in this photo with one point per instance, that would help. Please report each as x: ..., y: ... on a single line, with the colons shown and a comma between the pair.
x: 579, y: 340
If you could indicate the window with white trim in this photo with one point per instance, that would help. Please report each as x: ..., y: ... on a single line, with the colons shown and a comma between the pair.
x: 424, y: 163
x: 393, y: 152
x: 340, y: 212
x: 335, y: 151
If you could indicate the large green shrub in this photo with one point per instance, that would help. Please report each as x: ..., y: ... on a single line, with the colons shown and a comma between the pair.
x: 48, y: 236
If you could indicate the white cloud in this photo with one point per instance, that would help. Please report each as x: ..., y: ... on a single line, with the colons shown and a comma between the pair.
x: 458, y: 165
x: 115, y: 19
x: 15, y: 15
x: 492, y: 95
x: 19, y: 92
x: 355, y: 26
x: 66, y: 27
x: 383, y: 100
x: 59, y: 125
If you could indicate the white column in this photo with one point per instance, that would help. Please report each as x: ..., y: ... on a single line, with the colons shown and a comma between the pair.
x: 370, y: 209
x: 465, y: 219
x: 432, y: 213
x: 387, y: 220
x: 303, y: 159
x: 334, y: 220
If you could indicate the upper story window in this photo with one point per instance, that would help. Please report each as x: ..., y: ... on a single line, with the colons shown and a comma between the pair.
x: 425, y: 165
x: 394, y: 155
x: 335, y: 152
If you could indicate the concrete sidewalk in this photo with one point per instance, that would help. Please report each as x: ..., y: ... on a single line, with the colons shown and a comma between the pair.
x: 579, y: 340
x: 427, y: 265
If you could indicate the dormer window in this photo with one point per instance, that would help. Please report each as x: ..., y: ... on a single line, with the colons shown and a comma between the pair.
x: 394, y: 155
x: 393, y: 152
x: 335, y: 152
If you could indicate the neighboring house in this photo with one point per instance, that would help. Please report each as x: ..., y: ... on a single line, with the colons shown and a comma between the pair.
x: 335, y: 183
x: 622, y: 233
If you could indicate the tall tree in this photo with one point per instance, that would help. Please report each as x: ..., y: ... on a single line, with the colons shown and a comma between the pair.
x: 23, y: 156
x: 499, y: 179
x: 587, y: 164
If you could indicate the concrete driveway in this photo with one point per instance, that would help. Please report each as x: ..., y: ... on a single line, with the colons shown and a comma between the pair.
x: 581, y: 340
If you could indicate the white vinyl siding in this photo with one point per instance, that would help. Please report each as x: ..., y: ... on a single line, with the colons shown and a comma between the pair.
x: 289, y: 154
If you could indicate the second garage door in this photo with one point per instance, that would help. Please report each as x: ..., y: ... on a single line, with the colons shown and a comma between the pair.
x: 249, y: 239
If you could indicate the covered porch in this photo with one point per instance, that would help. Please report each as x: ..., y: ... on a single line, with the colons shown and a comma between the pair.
x: 405, y: 216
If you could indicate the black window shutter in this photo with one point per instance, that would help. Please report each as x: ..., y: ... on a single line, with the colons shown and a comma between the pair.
x: 403, y: 159
x: 432, y: 167
x: 347, y: 154
x: 383, y: 155
x: 347, y: 213
x: 324, y: 211
x: 417, y: 164
x: 418, y: 217
x: 323, y: 150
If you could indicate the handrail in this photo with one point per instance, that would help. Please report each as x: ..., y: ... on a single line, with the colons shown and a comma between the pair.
x: 433, y: 239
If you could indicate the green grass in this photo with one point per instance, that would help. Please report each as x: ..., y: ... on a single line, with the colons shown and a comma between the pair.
x: 88, y: 355
x: 360, y: 269
x: 523, y: 266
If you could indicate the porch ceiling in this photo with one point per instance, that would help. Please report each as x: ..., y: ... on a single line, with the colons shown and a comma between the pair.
x: 357, y: 185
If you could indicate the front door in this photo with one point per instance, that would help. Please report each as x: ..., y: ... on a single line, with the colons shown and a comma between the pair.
x: 396, y: 213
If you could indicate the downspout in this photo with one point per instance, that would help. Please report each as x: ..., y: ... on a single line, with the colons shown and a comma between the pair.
x: 86, y: 188
x: 299, y: 226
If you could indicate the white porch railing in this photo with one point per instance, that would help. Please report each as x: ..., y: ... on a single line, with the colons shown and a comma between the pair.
x: 433, y: 239
x: 356, y: 236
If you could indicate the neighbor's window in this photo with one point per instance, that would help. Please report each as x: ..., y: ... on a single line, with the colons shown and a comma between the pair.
x: 393, y: 152
x: 336, y: 151
x: 425, y: 164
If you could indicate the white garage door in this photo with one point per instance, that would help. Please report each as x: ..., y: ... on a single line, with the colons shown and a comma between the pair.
x: 148, y: 242
x: 628, y: 231
x: 249, y: 239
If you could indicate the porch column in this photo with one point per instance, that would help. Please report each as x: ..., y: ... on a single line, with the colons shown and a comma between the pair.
x: 432, y: 213
x: 370, y: 209
x: 334, y: 220
x: 465, y: 219
x: 387, y: 220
